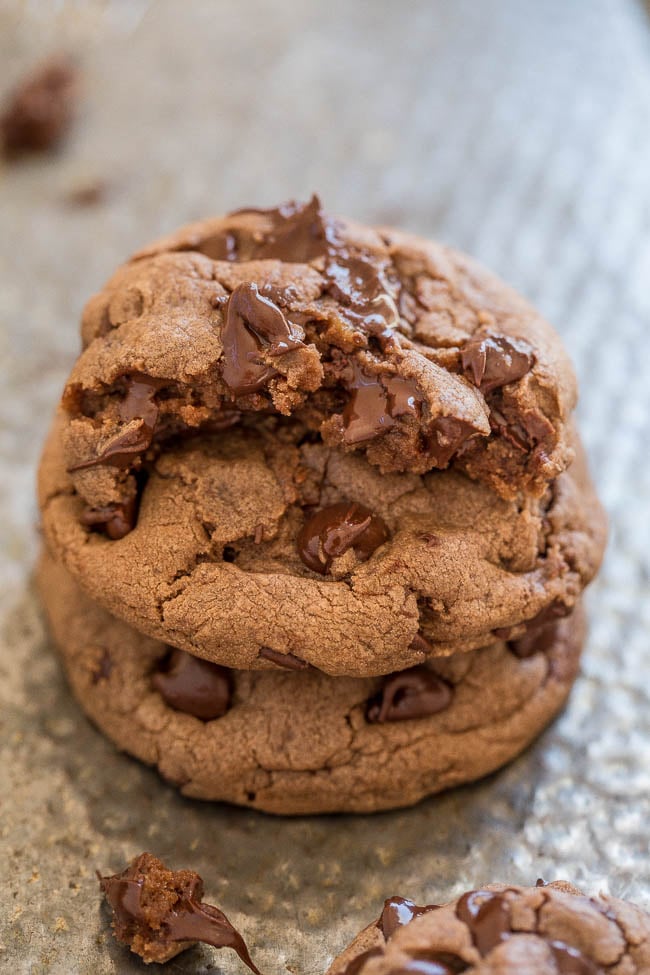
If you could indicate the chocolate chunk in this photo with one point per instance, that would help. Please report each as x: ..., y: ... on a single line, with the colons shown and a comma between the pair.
x: 446, y: 435
x: 193, y: 685
x: 487, y: 915
x: 355, y: 966
x: 570, y: 961
x: 159, y: 912
x: 375, y: 403
x: 537, y: 639
x: 115, y: 520
x: 491, y: 361
x: 253, y: 324
x: 413, y: 693
x: 40, y: 110
x: 399, y: 911
x: 221, y: 247
x: 125, y: 449
x: 332, y: 531
x: 287, y: 660
x: 298, y: 234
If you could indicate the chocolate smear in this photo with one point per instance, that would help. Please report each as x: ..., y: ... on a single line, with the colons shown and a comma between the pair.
x: 334, y: 530
x: 193, y: 685
x: 413, y: 693
x: 159, y: 912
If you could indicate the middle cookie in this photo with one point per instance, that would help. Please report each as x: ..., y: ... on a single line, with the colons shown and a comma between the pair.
x: 259, y: 547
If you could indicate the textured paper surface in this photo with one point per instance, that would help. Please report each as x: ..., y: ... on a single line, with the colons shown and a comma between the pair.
x: 517, y: 130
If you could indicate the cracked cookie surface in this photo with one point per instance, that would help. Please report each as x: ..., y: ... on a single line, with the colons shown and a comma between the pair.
x: 383, y: 343
x: 262, y: 541
x: 550, y: 929
x: 302, y: 742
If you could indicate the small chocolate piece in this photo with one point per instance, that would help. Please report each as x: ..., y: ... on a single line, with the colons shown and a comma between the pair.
x: 332, y: 531
x: 159, y: 912
x: 399, y: 911
x: 375, y: 403
x: 253, y: 323
x: 115, y: 520
x: 571, y: 961
x: 491, y: 361
x: 287, y: 660
x: 487, y: 915
x: 104, y: 668
x: 125, y: 449
x: 194, y: 685
x: 40, y: 110
x: 446, y: 436
x: 413, y: 693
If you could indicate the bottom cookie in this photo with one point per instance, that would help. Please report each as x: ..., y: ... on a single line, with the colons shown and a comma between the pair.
x: 550, y: 929
x: 296, y: 742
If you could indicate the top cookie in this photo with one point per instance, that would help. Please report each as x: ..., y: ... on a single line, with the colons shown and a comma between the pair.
x: 551, y: 929
x: 379, y: 341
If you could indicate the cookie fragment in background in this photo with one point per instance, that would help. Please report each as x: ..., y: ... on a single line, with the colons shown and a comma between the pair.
x: 39, y: 112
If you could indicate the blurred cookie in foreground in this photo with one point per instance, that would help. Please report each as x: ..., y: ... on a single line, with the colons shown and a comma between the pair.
x: 159, y: 913
x: 298, y: 741
x: 550, y: 929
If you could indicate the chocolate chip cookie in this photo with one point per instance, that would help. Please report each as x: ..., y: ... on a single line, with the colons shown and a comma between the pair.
x: 550, y: 929
x: 262, y: 545
x: 381, y: 343
x: 302, y: 742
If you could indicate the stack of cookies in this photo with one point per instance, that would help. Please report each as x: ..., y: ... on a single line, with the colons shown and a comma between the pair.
x: 317, y: 517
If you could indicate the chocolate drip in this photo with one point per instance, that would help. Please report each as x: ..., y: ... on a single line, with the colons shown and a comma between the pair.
x: 491, y: 361
x: 253, y: 324
x: 288, y: 661
x: 487, y: 915
x: 125, y: 449
x: 414, y: 693
x: 399, y: 911
x: 334, y: 530
x: 193, y: 685
x: 155, y: 908
x: 571, y: 961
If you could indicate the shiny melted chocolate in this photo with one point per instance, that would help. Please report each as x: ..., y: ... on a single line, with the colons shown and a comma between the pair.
x: 193, y: 685
x: 487, y: 915
x: 413, y: 693
x: 491, y: 361
x: 334, y: 530
x: 399, y: 911
x: 140, y: 896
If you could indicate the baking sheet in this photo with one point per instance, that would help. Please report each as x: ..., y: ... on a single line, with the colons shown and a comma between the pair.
x: 515, y: 129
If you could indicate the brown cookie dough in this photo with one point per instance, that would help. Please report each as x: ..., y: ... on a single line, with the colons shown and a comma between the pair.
x: 550, y: 929
x: 294, y: 743
x: 381, y: 342
x: 258, y: 542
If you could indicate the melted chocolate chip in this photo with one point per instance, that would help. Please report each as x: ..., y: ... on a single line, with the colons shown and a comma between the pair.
x: 298, y: 233
x: 375, y: 403
x: 193, y: 685
x: 40, y: 110
x: 536, y: 639
x: 434, y: 963
x: 446, y: 436
x: 155, y: 909
x: 221, y: 247
x: 570, y: 961
x: 487, y: 915
x: 414, y: 693
x: 114, y: 520
x: 355, y: 966
x: 399, y: 911
x: 491, y: 361
x: 125, y: 449
x: 253, y: 324
x: 288, y: 661
x: 334, y: 530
